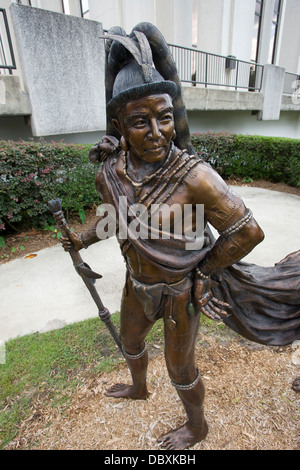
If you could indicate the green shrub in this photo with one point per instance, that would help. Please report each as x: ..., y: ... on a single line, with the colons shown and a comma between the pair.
x: 32, y: 173
x: 274, y: 159
x: 217, y: 149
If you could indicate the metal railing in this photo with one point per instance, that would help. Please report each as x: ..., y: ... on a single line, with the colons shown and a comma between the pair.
x: 7, y: 58
x: 203, y: 68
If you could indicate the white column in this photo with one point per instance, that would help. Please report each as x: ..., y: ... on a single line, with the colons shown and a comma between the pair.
x: 266, y: 32
x: 51, y: 5
x: 174, y: 18
x: 289, y: 53
x: 124, y: 13
x: 165, y: 18
x: 280, y: 32
x: 136, y: 11
x: 210, y: 25
x: 75, y: 9
x: 242, y: 21
x: 183, y: 23
x: 106, y: 12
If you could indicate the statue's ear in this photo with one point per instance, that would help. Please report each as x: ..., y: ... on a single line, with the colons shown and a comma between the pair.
x: 116, y: 125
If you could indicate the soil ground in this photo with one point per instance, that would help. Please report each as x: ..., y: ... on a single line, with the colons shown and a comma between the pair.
x: 249, y: 404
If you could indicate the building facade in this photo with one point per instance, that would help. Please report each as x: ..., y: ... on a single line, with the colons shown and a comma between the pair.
x: 239, y: 61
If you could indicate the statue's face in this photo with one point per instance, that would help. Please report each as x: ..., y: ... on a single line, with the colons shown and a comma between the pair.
x: 147, y: 124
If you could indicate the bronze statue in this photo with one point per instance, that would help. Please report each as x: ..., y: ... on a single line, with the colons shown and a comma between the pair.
x: 147, y: 158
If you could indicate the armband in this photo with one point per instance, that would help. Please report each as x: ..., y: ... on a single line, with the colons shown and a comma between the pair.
x: 237, y: 225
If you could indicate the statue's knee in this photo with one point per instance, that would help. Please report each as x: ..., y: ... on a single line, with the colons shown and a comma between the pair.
x: 131, y: 345
x: 180, y: 372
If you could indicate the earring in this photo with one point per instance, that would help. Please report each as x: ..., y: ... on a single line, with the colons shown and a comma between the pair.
x: 124, y: 144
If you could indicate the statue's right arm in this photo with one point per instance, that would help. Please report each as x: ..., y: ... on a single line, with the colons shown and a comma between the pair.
x: 80, y: 240
x: 107, y: 147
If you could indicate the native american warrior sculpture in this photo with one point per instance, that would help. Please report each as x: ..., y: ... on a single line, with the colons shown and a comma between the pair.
x: 147, y: 159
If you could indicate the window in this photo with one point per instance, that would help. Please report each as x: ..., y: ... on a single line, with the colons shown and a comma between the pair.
x: 275, y: 23
x: 256, y: 31
x: 85, y: 12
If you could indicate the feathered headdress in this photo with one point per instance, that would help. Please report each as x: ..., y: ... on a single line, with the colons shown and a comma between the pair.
x: 138, y: 65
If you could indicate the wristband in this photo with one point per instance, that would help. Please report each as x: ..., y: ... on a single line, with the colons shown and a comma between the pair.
x: 83, y: 243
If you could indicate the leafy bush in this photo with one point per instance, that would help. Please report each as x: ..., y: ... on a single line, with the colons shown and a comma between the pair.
x: 217, y: 149
x: 32, y: 173
x: 274, y: 159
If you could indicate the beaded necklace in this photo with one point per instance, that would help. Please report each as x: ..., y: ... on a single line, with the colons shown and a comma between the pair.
x: 137, y: 185
x: 186, y: 166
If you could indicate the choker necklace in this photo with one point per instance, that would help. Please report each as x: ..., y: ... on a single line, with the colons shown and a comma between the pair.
x: 138, y: 185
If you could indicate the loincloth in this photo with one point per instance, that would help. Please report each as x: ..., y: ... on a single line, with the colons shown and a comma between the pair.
x: 151, y: 296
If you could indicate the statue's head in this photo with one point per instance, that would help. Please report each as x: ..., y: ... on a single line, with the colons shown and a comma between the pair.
x: 142, y: 83
x: 141, y: 106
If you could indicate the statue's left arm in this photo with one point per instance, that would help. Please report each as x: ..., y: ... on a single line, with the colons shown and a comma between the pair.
x: 238, y: 231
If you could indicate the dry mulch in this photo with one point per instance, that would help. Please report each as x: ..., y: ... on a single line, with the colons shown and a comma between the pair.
x: 249, y: 405
x: 249, y: 402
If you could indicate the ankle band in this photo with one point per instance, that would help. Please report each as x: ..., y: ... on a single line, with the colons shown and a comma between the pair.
x: 134, y: 356
x: 188, y: 386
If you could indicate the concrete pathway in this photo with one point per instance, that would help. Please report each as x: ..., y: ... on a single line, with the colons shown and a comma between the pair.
x: 45, y: 292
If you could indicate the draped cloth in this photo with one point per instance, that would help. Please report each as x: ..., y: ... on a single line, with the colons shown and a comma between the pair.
x: 265, y: 301
x: 151, y: 295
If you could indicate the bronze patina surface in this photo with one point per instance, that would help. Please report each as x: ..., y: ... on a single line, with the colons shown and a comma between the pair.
x: 147, y: 158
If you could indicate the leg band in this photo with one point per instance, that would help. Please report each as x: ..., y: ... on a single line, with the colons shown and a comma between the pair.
x: 189, y: 386
x: 134, y: 356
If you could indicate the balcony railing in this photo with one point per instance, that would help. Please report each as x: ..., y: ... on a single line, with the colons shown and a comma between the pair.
x: 203, y: 68
x: 7, y: 58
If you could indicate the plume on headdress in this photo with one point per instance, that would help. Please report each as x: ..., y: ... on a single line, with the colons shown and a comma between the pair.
x: 141, y: 51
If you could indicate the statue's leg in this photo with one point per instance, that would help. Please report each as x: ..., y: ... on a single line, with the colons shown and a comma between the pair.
x: 180, y: 341
x: 133, y: 330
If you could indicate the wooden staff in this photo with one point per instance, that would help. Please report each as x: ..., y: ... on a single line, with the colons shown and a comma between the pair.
x: 88, y: 276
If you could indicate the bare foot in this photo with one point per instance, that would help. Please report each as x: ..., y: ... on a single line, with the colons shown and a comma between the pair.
x: 184, y: 437
x: 127, y: 391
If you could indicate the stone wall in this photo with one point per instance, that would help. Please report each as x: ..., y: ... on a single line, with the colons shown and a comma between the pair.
x: 62, y: 62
